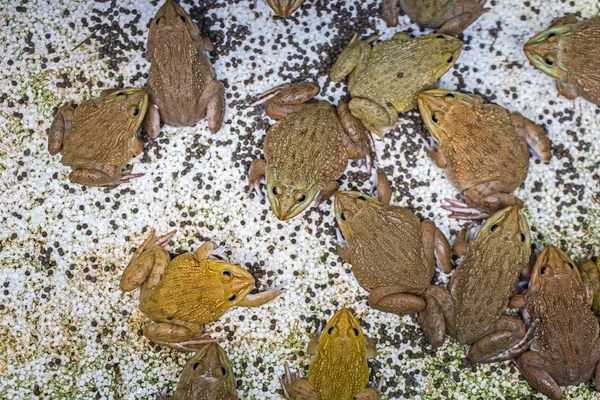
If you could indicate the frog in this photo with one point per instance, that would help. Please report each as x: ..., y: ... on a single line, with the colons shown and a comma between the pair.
x: 181, y: 80
x: 485, y: 284
x: 393, y: 255
x: 450, y: 17
x: 386, y: 79
x: 591, y: 271
x: 483, y: 148
x: 101, y: 135
x: 569, y: 51
x: 207, y: 375
x: 181, y: 295
x: 565, y: 349
x: 339, y: 369
x: 307, y: 149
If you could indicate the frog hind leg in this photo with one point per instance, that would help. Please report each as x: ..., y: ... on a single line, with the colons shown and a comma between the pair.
x: 182, y: 336
x: 374, y: 116
x: 287, y: 99
x: 460, y: 22
x: 389, y: 12
x: 567, y: 90
x: 483, y: 199
x: 355, y: 137
x: 538, y: 372
x: 436, y: 246
x: 509, y: 338
x: 435, y: 320
x: 533, y: 134
x: 211, y: 104
x: 149, y: 258
x: 396, y: 299
x: 96, y: 174
x: 352, y: 60
x: 60, y: 128
x: 368, y: 394
x: 151, y: 122
x: 295, y: 388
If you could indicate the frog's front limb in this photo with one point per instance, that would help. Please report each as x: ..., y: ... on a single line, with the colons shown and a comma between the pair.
x: 396, y: 299
x: 258, y: 169
x: 352, y: 61
x: 182, y: 336
x: 501, y: 344
x: 373, y: 115
x: 436, y: 319
x: 295, y: 388
x: 389, y: 12
x: 461, y: 21
x: 151, y: 122
x: 533, y: 134
x: 258, y: 299
x: 330, y: 188
x: 60, y: 128
x: 539, y: 373
x: 287, y: 99
x: 98, y: 174
x: 567, y: 90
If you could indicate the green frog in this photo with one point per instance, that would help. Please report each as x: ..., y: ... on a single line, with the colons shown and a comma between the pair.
x: 339, y: 369
x: 591, y: 271
x: 566, y: 348
x: 181, y: 79
x: 207, y: 376
x: 569, y: 51
x: 100, y: 136
x: 393, y: 255
x: 483, y: 285
x: 307, y: 150
x: 183, y: 294
x: 483, y: 148
x: 386, y: 79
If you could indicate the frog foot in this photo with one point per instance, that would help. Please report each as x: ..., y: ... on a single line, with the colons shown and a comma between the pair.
x: 518, y: 348
x: 218, y: 252
x: 127, y: 176
x: 460, y: 210
x: 269, y: 94
x: 195, y: 344
x: 151, y: 241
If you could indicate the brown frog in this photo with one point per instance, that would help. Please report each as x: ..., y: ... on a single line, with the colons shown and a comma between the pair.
x: 100, y: 136
x: 393, y: 255
x: 181, y: 79
x: 339, y: 370
x: 307, y: 150
x: 386, y: 79
x: 566, y: 348
x: 591, y: 272
x: 448, y: 16
x: 483, y: 148
x: 183, y: 294
x: 483, y: 284
x: 206, y: 376
x: 569, y: 51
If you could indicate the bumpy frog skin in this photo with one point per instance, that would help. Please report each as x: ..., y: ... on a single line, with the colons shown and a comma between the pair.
x: 450, y: 16
x: 181, y: 79
x: 207, y: 376
x: 566, y: 348
x: 307, y: 150
x: 339, y: 370
x: 183, y: 294
x: 100, y: 136
x: 393, y: 255
x: 569, y: 51
x: 591, y: 273
x: 483, y: 284
x: 387, y: 78
x: 483, y: 148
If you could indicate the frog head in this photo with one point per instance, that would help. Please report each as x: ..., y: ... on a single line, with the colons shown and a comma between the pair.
x: 133, y: 101
x: 444, y: 51
x: 554, y: 264
x: 289, y: 196
x: 226, y: 285
x: 349, y: 203
x: 284, y: 8
x: 343, y: 335
x: 543, y: 51
x: 509, y: 226
x: 170, y: 17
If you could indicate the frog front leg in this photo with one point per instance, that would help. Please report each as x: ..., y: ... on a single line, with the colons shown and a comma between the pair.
x: 538, y: 372
x: 98, y: 174
x: 287, y: 99
x: 60, y: 128
x: 295, y: 388
x: 212, y: 105
x: 352, y: 61
x: 465, y: 15
x: 508, y: 340
x: 396, y: 299
x: 566, y: 89
x: 389, y: 12
x: 533, y: 134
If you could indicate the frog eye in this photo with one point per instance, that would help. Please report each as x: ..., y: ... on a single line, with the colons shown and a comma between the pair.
x: 450, y: 95
x: 450, y: 59
x: 440, y: 36
x: 136, y: 112
x: 232, y: 298
x: 552, y: 35
x: 571, y: 265
x: 275, y: 190
x: 549, y: 61
x: 182, y: 18
x: 523, y: 237
x: 227, y: 273
x: 434, y: 118
x: 224, y: 371
x: 158, y: 20
x: 120, y: 94
x: 543, y: 271
x: 195, y: 366
x: 330, y: 330
x: 300, y: 197
x: 343, y: 217
x: 493, y: 228
x: 363, y: 198
x: 355, y: 331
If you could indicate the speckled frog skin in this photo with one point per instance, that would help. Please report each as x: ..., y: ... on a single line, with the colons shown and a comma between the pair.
x: 569, y: 51
x: 387, y: 78
x: 483, y: 284
x: 393, y: 255
x: 450, y: 16
x: 100, y: 136
x: 339, y: 370
x: 566, y: 348
x: 307, y: 150
x: 207, y: 376
x: 483, y: 148
x: 181, y: 79
x: 183, y: 294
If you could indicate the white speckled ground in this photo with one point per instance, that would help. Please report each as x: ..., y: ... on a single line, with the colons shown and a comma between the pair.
x: 68, y: 332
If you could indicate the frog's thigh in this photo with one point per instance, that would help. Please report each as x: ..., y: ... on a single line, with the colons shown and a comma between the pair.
x: 96, y: 175
x: 567, y: 90
x: 535, y: 369
x: 432, y: 322
x: 389, y: 12
x: 164, y: 333
x: 353, y: 133
x: 368, y: 394
x: 60, y: 128
x: 139, y: 269
x: 489, y: 196
x: 436, y: 247
x: 509, y: 332
x: 302, y: 389
x: 394, y: 299
x: 534, y: 135
x: 216, y: 105
x: 457, y: 24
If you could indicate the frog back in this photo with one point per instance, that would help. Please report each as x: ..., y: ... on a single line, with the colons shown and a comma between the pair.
x: 482, y: 285
x: 339, y: 373
x: 397, y: 71
x: 307, y: 145
x: 186, y: 292
x: 483, y: 147
x: 100, y: 132
x: 567, y: 330
x: 581, y: 50
x: 387, y: 249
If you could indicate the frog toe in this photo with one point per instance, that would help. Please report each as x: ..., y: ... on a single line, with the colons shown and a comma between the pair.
x: 460, y: 210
